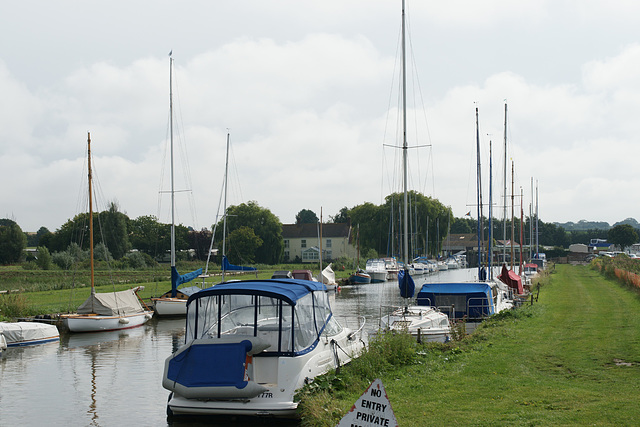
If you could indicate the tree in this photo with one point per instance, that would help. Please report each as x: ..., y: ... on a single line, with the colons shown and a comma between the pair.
x: 341, y: 217
x: 114, y: 231
x: 265, y: 225
x: 12, y: 241
x: 305, y: 216
x: 200, y: 241
x: 243, y: 243
x: 145, y: 234
x: 623, y: 235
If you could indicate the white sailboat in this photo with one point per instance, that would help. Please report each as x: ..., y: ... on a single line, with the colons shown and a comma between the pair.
x: 425, y: 322
x: 106, y: 311
x: 174, y: 301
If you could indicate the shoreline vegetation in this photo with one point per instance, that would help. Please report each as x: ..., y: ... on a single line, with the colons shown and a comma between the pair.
x: 572, y: 358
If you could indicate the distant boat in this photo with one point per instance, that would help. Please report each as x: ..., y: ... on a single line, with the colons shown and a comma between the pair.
x: 174, y: 301
x: 359, y: 277
x: 376, y: 269
x: 105, y: 311
x: 250, y: 345
x: 18, y: 334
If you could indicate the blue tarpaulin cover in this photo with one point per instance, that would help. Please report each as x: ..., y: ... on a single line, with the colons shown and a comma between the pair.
x: 201, y: 365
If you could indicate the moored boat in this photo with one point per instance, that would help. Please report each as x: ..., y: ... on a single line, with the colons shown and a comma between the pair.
x: 16, y: 334
x: 376, y: 269
x: 174, y: 301
x: 105, y: 311
x: 271, y: 336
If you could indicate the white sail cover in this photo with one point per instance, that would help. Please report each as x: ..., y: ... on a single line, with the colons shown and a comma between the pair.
x: 25, y: 332
x: 112, y: 304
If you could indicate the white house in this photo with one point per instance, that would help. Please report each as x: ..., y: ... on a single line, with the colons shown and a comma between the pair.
x: 302, y: 241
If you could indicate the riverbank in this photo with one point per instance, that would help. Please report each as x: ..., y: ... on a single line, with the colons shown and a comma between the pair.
x: 571, y: 359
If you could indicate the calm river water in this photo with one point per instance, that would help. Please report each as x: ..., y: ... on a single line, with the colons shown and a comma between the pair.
x: 115, y: 378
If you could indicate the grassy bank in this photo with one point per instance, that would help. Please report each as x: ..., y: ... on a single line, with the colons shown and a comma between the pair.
x: 571, y: 359
x: 35, y: 292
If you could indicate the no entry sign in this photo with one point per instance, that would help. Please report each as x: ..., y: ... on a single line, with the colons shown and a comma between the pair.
x: 371, y: 409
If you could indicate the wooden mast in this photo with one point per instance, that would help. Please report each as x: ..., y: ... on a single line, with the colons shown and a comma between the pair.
x: 93, y: 291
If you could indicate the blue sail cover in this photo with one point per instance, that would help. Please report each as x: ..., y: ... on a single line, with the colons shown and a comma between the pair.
x: 177, y: 279
x: 405, y: 282
x: 227, y: 266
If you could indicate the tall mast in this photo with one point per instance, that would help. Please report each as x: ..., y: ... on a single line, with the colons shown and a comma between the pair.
x: 93, y: 291
x: 224, y: 212
x: 537, y: 254
x: 489, y: 254
x: 173, y: 218
x: 512, y: 216
x: 504, y: 211
x: 480, y: 228
x: 404, y: 143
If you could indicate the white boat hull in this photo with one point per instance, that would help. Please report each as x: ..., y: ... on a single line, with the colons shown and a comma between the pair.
x: 427, y: 323
x: 378, y: 276
x: 15, y: 334
x: 98, y: 323
x: 282, y: 376
x: 170, y: 306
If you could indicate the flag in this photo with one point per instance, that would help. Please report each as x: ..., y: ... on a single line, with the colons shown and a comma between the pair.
x: 468, y: 213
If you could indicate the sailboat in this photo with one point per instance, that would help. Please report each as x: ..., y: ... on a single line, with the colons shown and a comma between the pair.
x: 471, y: 301
x: 359, y: 277
x: 107, y: 311
x: 425, y: 322
x: 174, y: 301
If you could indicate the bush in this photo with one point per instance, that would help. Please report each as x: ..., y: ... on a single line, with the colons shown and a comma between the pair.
x: 44, y: 258
x: 64, y: 260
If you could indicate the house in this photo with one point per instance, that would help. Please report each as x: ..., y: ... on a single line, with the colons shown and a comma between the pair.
x: 301, y: 242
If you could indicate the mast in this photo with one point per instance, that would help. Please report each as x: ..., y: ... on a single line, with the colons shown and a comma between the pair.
x: 224, y: 212
x: 512, y: 216
x: 504, y: 207
x: 537, y: 253
x: 320, y: 254
x: 521, y: 230
x: 489, y: 254
x: 93, y: 290
x: 173, y: 217
x: 404, y: 143
x: 480, y: 228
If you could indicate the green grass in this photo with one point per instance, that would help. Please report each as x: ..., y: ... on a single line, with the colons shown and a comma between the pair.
x: 556, y: 363
x: 57, y: 291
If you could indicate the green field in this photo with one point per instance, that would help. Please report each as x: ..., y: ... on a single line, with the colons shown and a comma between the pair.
x: 573, y: 358
x: 37, y: 292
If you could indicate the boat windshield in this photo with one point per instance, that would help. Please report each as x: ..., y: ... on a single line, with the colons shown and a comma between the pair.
x: 288, y: 329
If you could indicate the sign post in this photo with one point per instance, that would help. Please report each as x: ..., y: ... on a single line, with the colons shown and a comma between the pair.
x: 372, y: 409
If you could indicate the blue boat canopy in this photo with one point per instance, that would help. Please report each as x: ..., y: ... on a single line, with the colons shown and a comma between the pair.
x: 290, y: 290
x: 227, y: 266
x: 474, y: 300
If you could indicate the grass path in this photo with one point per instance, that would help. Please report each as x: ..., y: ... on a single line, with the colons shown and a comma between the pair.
x: 571, y: 359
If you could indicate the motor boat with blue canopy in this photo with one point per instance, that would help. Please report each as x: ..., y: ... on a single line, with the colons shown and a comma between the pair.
x: 475, y: 300
x: 249, y: 345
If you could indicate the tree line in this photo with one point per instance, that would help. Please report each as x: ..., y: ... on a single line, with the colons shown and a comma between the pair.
x: 254, y: 233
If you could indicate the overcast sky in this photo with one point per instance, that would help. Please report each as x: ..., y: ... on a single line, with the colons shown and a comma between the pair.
x: 309, y: 93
